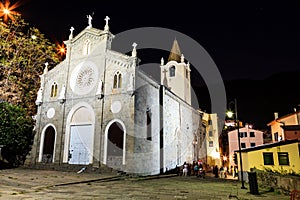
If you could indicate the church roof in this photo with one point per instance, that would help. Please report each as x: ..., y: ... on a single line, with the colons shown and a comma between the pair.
x: 175, y: 53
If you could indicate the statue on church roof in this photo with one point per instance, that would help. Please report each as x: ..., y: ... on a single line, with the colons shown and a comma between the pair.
x: 89, y: 21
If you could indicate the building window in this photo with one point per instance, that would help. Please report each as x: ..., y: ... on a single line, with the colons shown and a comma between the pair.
x: 210, y: 143
x: 268, y: 158
x: 87, y: 47
x: 210, y: 133
x: 243, y: 134
x: 243, y: 145
x: 209, y: 122
x: 252, y: 134
x: 283, y: 158
x: 53, y: 90
x: 117, y: 80
x: 172, y: 71
x: 149, y: 128
x: 276, y: 136
x: 252, y: 144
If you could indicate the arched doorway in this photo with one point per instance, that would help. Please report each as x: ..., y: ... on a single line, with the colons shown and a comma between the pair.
x: 48, y: 147
x: 115, y: 145
x: 79, y: 135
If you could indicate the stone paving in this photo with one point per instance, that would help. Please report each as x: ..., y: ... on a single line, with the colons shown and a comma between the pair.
x: 29, y: 184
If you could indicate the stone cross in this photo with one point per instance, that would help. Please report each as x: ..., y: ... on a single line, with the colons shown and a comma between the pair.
x: 133, y: 54
x: 71, y: 34
x: 106, y: 20
x: 106, y: 27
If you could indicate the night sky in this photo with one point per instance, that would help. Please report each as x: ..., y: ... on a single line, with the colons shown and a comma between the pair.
x: 250, y: 41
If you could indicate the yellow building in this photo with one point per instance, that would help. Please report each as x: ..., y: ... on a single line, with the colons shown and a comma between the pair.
x: 283, y: 157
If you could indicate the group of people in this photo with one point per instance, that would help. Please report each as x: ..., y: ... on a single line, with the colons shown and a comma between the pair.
x: 224, y: 171
x: 197, y: 168
x: 192, y: 169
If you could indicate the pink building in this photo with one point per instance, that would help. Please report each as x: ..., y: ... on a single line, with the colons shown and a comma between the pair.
x: 286, y: 127
x: 249, y: 138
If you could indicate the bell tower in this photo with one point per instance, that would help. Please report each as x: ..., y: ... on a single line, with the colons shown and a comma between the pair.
x: 175, y: 74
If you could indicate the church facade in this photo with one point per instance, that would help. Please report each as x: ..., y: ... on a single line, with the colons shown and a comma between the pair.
x: 97, y: 108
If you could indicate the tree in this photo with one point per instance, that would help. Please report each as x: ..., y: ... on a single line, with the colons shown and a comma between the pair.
x: 23, y: 50
x: 16, y: 133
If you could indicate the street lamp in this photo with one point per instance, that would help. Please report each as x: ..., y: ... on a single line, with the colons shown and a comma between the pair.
x: 7, y: 11
x: 235, y: 113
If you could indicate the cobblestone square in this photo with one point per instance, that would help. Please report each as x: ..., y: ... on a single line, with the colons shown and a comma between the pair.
x: 32, y: 184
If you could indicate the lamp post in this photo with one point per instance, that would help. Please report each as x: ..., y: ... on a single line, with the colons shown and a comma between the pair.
x: 239, y: 141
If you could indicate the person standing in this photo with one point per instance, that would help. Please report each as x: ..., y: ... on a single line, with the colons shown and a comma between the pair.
x: 196, y: 169
x: 185, y: 169
x: 221, y: 172
x: 216, y: 171
x: 234, y: 171
x: 225, y: 172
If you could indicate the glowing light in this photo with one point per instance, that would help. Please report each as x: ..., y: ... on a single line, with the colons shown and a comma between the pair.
x: 6, y: 11
x: 229, y: 114
x: 61, y: 49
x: 33, y: 37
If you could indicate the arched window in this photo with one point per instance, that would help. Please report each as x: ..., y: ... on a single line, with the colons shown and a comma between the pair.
x: 149, y: 125
x: 53, y: 90
x: 117, y: 80
x: 87, y: 47
x: 172, y: 71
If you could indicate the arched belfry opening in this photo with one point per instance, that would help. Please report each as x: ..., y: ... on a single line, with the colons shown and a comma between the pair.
x: 48, y: 145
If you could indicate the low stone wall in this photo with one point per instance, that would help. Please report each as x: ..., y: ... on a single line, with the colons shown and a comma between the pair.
x: 284, y: 183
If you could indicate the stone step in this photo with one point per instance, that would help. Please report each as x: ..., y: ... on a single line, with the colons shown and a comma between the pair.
x: 71, y: 168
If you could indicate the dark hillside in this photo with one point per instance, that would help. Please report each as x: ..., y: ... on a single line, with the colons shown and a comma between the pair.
x: 259, y: 99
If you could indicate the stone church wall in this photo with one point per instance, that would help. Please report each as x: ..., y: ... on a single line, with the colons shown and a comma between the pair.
x: 181, y: 127
x: 146, y: 146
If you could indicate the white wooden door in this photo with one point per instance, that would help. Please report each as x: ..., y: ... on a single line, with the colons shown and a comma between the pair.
x: 81, y: 145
